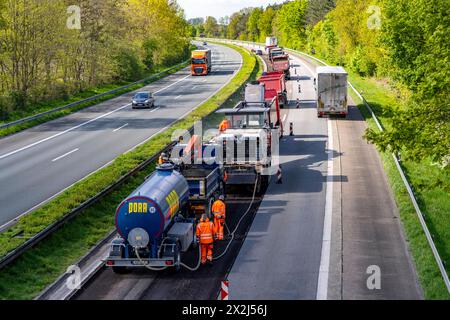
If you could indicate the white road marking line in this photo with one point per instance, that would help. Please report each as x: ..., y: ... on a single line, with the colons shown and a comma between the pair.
x: 178, y: 97
x: 284, y: 118
x: 313, y: 73
x: 125, y: 125
x: 110, y: 162
x: 78, y: 126
x: 322, y: 285
x: 155, y: 109
x: 171, y: 85
x: 65, y: 155
x: 194, y: 87
x: 61, y: 133
x: 9, y: 223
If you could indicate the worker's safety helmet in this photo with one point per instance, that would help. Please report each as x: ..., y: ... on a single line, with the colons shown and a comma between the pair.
x: 163, y: 155
x: 222, y: 198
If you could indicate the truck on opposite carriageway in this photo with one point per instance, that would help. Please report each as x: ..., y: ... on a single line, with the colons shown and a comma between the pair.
x: 201, y: 62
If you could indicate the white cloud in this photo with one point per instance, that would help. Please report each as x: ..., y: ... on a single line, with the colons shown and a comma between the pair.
x: 219, y: 8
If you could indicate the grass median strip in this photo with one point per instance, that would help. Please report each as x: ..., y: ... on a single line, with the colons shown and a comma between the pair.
x: 41, y: 265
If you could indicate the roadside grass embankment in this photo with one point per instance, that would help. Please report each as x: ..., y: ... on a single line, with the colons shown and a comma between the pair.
x: 41, y: 265
x: 431, y: 187
x: 50, y: 105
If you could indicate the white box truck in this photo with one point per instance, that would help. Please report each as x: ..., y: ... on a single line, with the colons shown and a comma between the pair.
x: 332, y: 91
x: 271, y: 42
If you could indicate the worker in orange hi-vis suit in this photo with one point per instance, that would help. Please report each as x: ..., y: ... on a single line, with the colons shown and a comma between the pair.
x: 163, y: 159
x: 224, y: 125
x: 219, y: 211
x: 205, y: 236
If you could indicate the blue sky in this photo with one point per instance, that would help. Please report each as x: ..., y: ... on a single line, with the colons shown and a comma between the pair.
x: 219, y: 8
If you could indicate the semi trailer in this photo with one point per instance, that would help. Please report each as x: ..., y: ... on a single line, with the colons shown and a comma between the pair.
x: 271, y: 42
x: 201, y: 62
x: 156, y: 223
x: 332, y: 91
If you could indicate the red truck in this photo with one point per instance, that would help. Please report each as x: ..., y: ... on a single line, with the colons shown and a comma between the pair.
x: 275, y: 84
x: 281, y: 63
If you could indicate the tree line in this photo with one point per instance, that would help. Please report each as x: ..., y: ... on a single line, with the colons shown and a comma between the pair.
x: 45, y: 56
x: 406, y: 42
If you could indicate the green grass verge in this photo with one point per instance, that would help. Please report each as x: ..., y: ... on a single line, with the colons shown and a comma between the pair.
x: 431, y: 187
x: 80, y: 96
x: 41, y: 265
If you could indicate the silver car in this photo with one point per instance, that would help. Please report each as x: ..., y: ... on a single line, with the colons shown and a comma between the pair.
x: 143, y: 100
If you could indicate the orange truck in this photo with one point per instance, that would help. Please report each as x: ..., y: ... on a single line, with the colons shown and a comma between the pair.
x: 201, y: 62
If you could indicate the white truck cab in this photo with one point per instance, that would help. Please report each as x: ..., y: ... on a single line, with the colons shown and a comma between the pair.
x: 246, y: 146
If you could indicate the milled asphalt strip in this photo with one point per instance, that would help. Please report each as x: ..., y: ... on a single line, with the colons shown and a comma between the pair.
x: 65, y: 155
x: 59, y: 290
x: 322, y: 285
x: 80, y: 125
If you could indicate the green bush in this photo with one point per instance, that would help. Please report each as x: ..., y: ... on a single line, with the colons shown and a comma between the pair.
x: 129, y: 65
x: 361, y: 63
x: 37, y: 221
x: 51, y: 257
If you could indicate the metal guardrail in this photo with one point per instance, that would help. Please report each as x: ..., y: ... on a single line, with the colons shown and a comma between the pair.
x: 408, y: 187
x: 59, y: 290
x: 13, y: 255
x: 95, y: 97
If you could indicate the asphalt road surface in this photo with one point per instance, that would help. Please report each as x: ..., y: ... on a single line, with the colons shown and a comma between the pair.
x: 331, y: 229
x: 203, y: 284
x: 319, y: 235
x: 281, y: 257
x: 39, y: 163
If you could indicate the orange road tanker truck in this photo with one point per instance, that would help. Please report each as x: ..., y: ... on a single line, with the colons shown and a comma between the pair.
x: 201, y: 62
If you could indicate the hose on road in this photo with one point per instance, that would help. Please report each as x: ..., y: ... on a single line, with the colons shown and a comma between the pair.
x: 165, y: 267
x: 238, y: 224
x: 232, y: 234
x: 145, y: 265
x: 198, y: 263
